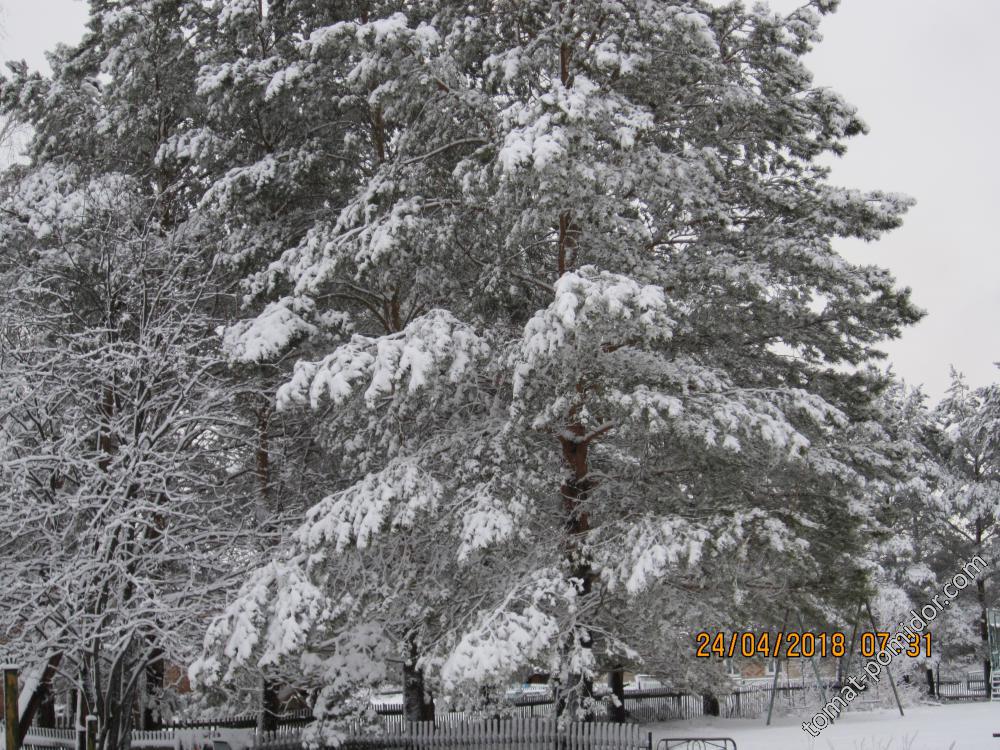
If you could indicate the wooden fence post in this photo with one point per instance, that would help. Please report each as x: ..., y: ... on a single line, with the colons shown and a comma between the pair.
x: 91, y: 732
x: 10, y: 711
x: 38, y: 704
x: 79, y: 721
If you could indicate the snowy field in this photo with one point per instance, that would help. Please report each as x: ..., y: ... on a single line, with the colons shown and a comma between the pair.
x: 968, y: 726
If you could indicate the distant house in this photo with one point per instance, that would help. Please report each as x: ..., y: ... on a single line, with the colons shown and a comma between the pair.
x: 761, y: 670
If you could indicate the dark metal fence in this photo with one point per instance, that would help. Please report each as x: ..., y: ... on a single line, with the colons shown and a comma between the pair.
x: 525, y: 733
x: 641, y: 706
x: 242, y: 721
x: 696, y: 743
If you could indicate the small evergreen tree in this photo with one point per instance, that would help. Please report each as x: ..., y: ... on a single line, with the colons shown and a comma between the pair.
x: 966, y: 439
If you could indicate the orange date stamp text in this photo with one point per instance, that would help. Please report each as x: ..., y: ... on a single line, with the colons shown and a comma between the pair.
x: 794, y: 644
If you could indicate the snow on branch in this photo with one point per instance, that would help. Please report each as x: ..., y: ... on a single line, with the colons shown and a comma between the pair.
x: 272, y: 616
x: 489, y: 519
x: 396, y: 494
x: 522, y: 628
x: 266, y: 335
x: 656, y: 546
x: 433, y: 350
x: 593, y: 310
x: 54, y: 200
x: 378, y: 32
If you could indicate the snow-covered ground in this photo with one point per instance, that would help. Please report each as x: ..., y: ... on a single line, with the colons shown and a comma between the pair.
x: 957, y: 726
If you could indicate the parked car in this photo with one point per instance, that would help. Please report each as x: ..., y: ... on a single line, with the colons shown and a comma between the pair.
x: 528, y: 691
x: 644, y: 682
x: 389, y: 696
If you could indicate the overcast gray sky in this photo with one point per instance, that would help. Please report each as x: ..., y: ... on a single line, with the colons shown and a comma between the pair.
x: 923, y: 75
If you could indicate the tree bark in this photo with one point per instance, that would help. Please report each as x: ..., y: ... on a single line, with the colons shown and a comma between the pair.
x: 417, y: 705
x: 710, y: 705
x: 40, y: 707
x: 573, y: 494
x: 616, y: 681
x: 984, y: 631
x: 269, y: 706
x: 155, y: 670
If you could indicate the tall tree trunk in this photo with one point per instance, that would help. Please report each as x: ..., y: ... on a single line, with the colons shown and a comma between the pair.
x: 573, y: 495
x: 266, y: 511
x: 930, y: 682
x: 72, y: 698
x: 155, y: 670
x: 616, y: 682
x: 417, y: 705
x: 984, y: 631
x: 579, y: 692
x: 710, y: 704
x: 46, y: 715
x: 267, y: 720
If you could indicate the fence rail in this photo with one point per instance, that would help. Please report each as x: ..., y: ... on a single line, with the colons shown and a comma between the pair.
x: 696, y: 743
x: 61, y: 738
x: 964, y: 689
x: 645, y: 706
x: 240, y: 721
x: 48, y: 738
x: 156, y: 739
x: 525, y: 733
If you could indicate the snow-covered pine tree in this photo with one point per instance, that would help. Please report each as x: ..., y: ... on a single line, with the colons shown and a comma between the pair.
x: 929, y: 506
x: 268, y: 159
x: 966, y: 441
x: 609, y: 349
x: 909, y: 568
x: 271, y: 152
x: 320, y: 135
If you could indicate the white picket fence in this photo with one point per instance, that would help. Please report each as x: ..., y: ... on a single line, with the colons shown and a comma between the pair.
x: 38, y: 738
x: 525, y: 733
x: 44, y: 737
x: 519, y: 733
x: 160, y: 738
